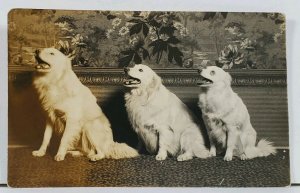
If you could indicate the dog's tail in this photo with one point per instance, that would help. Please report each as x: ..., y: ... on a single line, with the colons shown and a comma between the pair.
x: 92, y: 141
x: 200, y: 151
x: 263, y: 149
x: 121, y: 150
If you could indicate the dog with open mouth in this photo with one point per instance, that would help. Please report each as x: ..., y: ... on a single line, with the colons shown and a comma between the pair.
x: 72, y: 111
x: 227, y: 119
x: 162, y: 121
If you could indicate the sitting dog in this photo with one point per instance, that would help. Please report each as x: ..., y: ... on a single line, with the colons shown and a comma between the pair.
x: 227, y: 119
x: 72, y: 111
x: 161, y: 120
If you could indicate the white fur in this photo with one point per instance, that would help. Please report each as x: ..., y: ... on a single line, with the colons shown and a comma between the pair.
x: 161, y: 120
x: 227, y: 118
x: 72, y: 110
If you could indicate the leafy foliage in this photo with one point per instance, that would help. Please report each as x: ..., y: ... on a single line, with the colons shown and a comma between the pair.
x: 136, y: 54
x: 158, y: 39
x: 161, y: 39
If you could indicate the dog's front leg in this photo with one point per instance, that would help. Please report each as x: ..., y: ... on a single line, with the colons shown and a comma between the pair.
x: 212, y: 150
x: 231, y: 142
x: 46, y: 140
x: 210, y: 126
x: 165, y: 134
x: 71, y: 132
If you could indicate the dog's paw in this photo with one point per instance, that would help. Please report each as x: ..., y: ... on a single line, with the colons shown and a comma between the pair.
x: 38, y: 153
x: 243, y: 157
x: 212, y: 153
x: 161, y: 156
x: 184, y: 157
x: 59, y: 157
x: 96, y: 157
x: 227, y: 158
x: 228, y: 155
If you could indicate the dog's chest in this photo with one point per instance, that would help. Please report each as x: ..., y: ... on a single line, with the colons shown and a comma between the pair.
x: 209, y: 103
x: 139, y: 116
x: 217, y: 128
x: 52, y: 98
x: 140, y: 113
x: 211, y: 109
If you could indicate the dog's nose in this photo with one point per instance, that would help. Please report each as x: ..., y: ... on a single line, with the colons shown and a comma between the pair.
x: 131, y: 65
x: 37, y: 52
x: 126, y: 69
x: 201, y: 68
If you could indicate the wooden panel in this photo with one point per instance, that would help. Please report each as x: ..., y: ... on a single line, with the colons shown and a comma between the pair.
x: 264, y: 93
x: 267, y: 107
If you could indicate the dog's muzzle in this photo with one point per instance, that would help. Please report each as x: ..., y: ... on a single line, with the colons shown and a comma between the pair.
x: 202, y: 80
x: 41, y: 64
x: 129, y: 80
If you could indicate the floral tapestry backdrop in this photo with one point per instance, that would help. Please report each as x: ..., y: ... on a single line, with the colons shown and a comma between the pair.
x: 158, y: 39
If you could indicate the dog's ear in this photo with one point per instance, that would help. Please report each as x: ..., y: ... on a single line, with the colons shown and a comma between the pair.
x: 63, y: 47
x: 71, y: 55
x: 228, y: 79
x: 154, y: 85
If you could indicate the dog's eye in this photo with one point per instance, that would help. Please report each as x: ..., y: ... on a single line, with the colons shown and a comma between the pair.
x: 141, y: 70
x: 212, y: 72
x: 51, y: 53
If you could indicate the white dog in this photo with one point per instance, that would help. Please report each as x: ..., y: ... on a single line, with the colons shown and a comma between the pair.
x: 72, y: 110
x: 161, y: 120
x: 227, y: 118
